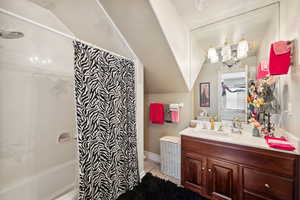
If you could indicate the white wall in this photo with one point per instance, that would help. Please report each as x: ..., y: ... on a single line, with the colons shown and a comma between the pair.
x: 271, y: 36
x: 197, y: 58
x: 176, y: 34
x: 153, y: 132
x: 290, y: 30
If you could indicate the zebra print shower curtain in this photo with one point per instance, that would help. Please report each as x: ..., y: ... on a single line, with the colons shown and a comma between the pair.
x: 105, y: 107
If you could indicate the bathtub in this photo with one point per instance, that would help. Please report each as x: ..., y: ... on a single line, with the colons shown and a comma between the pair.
x: 48, y: 185
x: 71, y: 195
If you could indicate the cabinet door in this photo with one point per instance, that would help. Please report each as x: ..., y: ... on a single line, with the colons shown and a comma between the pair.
x: 193, y: 173
x: 222, y: 178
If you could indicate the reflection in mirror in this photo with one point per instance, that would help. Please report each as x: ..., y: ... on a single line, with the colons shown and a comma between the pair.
x: 235, y: 47
x: 233, y: 93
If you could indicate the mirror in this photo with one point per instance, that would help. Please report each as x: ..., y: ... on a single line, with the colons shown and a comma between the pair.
x: 232, y: 95
x: 235, y: 46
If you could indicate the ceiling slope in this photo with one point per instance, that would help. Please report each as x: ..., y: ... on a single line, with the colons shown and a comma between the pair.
x: 88, y: 22
x: 81, y: 18
x: 176, y: 34
x: 139, y: 25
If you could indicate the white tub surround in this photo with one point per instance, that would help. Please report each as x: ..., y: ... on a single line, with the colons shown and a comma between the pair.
x: 245, y: 139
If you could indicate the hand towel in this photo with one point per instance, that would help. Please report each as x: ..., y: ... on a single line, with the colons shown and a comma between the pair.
x: 175, y: 116
x: 167, y: 113
x: 156, y: 113
x: 174, y: 107
x: 279, y: 143
x: 279, y: 64
x: 262, y: 70
x: 281, y: 47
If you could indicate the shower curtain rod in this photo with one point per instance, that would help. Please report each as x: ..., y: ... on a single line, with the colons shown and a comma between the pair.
x: 57, y: 31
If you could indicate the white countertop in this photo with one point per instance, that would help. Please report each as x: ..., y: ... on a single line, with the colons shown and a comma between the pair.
x: 245, y: 139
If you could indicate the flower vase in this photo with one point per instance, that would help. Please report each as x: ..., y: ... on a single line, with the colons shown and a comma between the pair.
x: 255, y: 132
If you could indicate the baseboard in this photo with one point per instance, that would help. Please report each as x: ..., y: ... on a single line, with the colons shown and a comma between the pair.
x: 142, y: 174
x: 152, y: 156
x: 71, y: 194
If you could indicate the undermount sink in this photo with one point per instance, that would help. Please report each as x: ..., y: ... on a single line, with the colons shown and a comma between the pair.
x: 224, y: 133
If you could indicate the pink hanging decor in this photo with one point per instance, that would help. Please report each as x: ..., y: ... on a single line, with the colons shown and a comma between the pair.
x: 262, y: 70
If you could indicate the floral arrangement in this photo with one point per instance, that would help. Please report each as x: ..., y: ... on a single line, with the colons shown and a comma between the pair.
x: 262, y: 103
x: 255, y: 123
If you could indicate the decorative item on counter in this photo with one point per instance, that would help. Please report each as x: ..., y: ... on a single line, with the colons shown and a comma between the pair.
x: 203, y: 115
x: 220, y: 128
x: 268, y: 129
x: 212, y: 123
x: 255, y: 132
x: 256, y: 125
x: 193, y: 125
x: 262, y: 102
x: 237, y: 126
x: 204, y: 126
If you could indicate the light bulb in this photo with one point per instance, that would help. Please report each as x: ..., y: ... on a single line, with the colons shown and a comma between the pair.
x: 226, y: 53
x: 213, y: 55
x: 242, y: 49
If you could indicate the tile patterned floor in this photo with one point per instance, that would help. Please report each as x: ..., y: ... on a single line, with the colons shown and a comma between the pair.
x: 154, y: 168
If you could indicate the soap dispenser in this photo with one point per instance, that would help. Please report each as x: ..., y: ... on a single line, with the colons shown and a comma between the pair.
x: 212, y: 123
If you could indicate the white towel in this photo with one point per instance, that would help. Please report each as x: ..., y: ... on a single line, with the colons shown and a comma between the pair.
x: 174, y: 107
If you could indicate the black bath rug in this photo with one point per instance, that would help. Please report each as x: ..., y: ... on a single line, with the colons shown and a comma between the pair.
x: 154, y: 188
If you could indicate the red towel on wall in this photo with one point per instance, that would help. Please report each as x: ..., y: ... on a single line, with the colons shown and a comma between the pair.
x: 156, y: 114
x: 279, y: 64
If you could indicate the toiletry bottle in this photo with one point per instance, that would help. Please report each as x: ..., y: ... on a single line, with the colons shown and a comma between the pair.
x: 212, y: 123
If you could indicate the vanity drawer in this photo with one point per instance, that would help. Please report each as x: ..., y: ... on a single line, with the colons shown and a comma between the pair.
x: 267, y: 185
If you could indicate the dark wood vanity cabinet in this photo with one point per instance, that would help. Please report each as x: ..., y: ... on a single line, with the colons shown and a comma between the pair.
x: 238, y: 172
x: 222, y: 178
x: 195, y: 172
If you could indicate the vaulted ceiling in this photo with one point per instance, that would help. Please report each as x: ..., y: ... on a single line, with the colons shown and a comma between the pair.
x: 138, y: 23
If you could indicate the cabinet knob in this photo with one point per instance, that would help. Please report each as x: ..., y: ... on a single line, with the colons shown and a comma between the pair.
x: 267, y: 185
x: 209, y: 170
x: 203, y: 168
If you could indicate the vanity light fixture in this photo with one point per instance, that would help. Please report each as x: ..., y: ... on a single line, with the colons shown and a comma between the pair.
x: 226, y: 52
x: 242, y: 49
x: 213, y: 55
x: 229, y: 55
